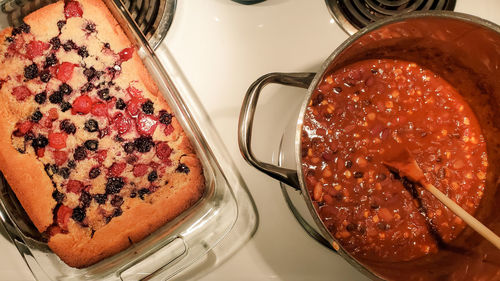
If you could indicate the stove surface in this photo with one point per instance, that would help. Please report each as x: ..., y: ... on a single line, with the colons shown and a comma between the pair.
x: 222, y: 47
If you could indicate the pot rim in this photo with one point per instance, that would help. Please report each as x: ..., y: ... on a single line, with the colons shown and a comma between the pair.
x: 324, y: 67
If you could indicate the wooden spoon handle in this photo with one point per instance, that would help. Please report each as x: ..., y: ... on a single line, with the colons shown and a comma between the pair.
x: 470, y: 220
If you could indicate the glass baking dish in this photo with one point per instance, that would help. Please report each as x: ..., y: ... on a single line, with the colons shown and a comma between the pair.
x: 177, y: 244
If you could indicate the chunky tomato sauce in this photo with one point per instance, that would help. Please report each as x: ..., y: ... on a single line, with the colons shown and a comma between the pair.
x: 357, y: 118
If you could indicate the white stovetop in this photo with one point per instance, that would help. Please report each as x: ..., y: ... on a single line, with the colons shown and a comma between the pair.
x: 222, y: 47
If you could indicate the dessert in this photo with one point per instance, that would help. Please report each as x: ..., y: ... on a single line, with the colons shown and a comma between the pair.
x: 90, y: 147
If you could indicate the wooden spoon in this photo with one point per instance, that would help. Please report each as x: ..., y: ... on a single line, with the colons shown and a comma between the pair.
x: 405, y: 165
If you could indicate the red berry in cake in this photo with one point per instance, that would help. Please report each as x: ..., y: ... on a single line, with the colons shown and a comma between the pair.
x: 146, y: 124
x: 134, y: 106
x: 99, y: 109
x: 168, y: 130
x: 74, y: 186
x: 72, y: 9
x: 101, y: 155
x: 117, y: 169
x: 163, y: 151
x: 140, y: 170
x: 126, y: 54
x: 82, y: 105
x: 60, y: 157
x: 24, y: 127
x: 35, y: 48
x: 121, y: 123
x: 57, y: 140
x: 63, y: 215
x: 21, y: 92
x: 53, y: 114
x: 65, y: 71
x: 135, y: 93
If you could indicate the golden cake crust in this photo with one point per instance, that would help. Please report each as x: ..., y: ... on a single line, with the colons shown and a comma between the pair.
x: 81, y: 246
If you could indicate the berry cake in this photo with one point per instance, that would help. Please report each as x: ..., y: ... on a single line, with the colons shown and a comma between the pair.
x: 88, y: 144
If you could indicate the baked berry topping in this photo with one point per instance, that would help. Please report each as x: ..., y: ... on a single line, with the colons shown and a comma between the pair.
x: 65, y: 106
x: 140, y: 170
x: 40, y: 142
x: 60, y: 157
x: 72, y: 9
x: 56, y: 97
x: 117, y: 169
x: 61, y: 24
x: 74, y: 186
x: 101, y: 155
x: 52, y: 114
x: 99, y: 109
x: 65, y: 89
x: 50, y: 169
x: 58, y: 196
x: 35, y: 48
x: 122, y: 123
x: 144, y: 144
x: 21, y: 93
x: 142, y: 192
x: 114, y: 185
x: 67, y: 126
x: 104, y: 94
x: 91, y: 125
x: 90, y: 73
x: 182, y: 168
x: 163, y: 151
x: 31, y: 71
x: 9, y: 39
x: 65, y: 71
x: 36, y: 116
x: 50, y: 60
x: 94, y: 172
x: 82, y: 105
x: 57, y: 140
x: 21, y: 28
x: 126, y: 54
x: 133, y: 106
x: 129, y: 147
x: 87, y: 87
x: 131, y: 159
x: 71, y: 164
x: 85, y: 199
x: 82, y: 52
x: 90, y: 27
x: 64, y: 172
x: 146, y: 124
x: 152, y: 176
x: 117, y: 201
x: 80, y: 153
x: 56, y: 43
x: 101, y: 198
x: 148, y: 107
x: 120, y: 104
x: 23, y: 128
x: 63, y: 215
x: 78, y: 214
x: 133, y: 194
x: 28, y: 136
x: 118, y: 212
x: 165, y: 117
x: 45, y: 76
x: 69, y: 45
x: 118, y: 138
x: 91, y: 145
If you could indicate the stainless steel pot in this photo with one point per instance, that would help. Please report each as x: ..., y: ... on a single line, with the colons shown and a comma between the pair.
x: 463, y: 49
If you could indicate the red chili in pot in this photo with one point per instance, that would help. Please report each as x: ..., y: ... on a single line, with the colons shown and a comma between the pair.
x: 356, y: 118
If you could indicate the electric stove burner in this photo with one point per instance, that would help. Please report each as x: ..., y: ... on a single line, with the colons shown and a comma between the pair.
x: 153, y: 17
x: 353, y: 15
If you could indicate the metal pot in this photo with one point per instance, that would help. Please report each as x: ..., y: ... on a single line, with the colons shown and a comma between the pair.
x: 464, y: 50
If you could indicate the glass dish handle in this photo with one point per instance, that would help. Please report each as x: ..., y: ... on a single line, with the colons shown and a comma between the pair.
x: 302, y: 80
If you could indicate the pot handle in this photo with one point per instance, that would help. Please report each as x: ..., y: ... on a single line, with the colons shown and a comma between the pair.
x: 302, y: 80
